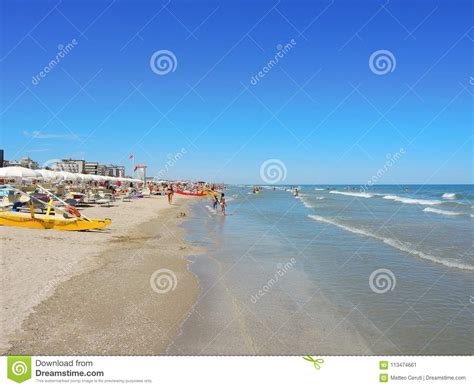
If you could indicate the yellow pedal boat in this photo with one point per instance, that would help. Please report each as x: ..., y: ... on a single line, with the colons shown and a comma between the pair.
x: 43, y: 221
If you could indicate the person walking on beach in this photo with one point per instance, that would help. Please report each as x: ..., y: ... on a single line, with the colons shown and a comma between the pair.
x: 170, y: 193
x: 223, y: 205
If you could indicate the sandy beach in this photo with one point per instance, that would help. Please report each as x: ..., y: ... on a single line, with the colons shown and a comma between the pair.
x: 90, y: 292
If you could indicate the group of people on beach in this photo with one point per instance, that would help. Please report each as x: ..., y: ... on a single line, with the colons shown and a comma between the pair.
x: 216, y: 202
x: 196, y: 189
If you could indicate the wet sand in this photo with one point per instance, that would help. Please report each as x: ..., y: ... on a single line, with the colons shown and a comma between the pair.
x: 92, y: 292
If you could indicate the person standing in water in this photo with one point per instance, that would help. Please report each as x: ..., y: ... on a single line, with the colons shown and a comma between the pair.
x: 215, y: 202
x: 170, y: 193
x: 223, y: 205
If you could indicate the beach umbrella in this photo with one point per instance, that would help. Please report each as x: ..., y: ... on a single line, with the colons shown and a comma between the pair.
x: 86, y: 177
x: 19, y: 174
x: 48, y: 175
x: 77, y: 177
x: 67, y: 176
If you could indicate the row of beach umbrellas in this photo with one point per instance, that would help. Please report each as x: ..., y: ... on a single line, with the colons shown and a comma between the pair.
x: 23, y: 174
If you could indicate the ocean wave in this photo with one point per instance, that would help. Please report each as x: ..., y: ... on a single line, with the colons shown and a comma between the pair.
x: 305, y: 203
x: 413, y: 201
x: 445, y: 212
x: 395, y: 244
x: 456, y: 204
x: 362, y: 195
x: 320, y: 189
x: 449, y: 195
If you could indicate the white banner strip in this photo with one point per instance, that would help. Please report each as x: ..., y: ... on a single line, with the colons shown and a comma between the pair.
x: 311, y: 371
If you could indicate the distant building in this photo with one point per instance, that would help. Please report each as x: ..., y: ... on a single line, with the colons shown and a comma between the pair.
x: 23, y: 162
x: 1, y: 158
x: 115, y: 171
x: 70, y: 165
x: 91, y: 168
x: 101, y: 169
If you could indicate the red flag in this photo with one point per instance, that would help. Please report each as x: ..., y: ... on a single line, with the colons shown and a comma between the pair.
x: 131, y: 156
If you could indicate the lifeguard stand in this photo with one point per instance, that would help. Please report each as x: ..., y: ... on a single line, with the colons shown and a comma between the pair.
x: 140, y: 171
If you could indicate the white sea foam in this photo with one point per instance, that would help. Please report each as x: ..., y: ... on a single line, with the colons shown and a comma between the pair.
x: 413, y: 201
x: 394, y: 244
x: 444, y: 212
x: 213, y: 211
x: 302, y: 198
x: 449, y: 195
x: 362, y: 195
x: 320, y: 189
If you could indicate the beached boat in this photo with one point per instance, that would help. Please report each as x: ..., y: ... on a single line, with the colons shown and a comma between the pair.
x: 204, y: 194
x: 58, y: 221
x: 65, y: 217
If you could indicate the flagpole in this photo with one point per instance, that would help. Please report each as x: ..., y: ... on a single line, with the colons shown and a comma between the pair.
x: 131, y: 157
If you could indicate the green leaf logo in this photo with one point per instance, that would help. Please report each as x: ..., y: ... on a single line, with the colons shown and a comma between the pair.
x: 19, y: 368
x: 316, y: 361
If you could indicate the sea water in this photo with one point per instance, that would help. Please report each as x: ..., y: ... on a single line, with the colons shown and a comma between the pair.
x: 335, y: 270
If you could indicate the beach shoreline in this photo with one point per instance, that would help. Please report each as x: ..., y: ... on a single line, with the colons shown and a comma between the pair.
x: 225, y: 322
x: 100, y: 300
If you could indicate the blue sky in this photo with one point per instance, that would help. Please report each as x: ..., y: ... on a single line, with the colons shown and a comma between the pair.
x: 320, y: 110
